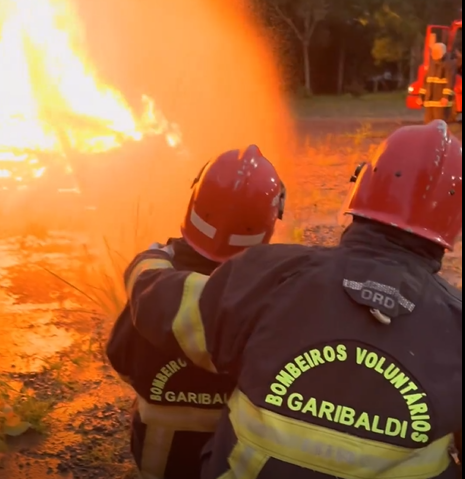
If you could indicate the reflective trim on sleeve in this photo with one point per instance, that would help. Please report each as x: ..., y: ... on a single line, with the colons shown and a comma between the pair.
x: 327, y: 451
x: 448, y: 91
x: 187, y: 325
x: 422, y: 91
x: 437, y: 80
x: 144, y: 265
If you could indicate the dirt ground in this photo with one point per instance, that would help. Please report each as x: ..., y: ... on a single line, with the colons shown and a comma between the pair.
x: 53, y: 372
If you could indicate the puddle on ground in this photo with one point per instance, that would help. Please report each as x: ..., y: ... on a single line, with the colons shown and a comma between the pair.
x: 32, y: 333
x: 29, y: 335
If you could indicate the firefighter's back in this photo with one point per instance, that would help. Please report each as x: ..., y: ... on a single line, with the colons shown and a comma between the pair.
x: 353, y: 369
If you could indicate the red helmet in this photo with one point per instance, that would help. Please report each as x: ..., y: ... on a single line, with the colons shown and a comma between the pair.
x: 414, y: 183
x: 235, y: 203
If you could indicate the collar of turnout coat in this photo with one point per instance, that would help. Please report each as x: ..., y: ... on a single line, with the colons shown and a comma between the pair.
x: 187, y: 259
x: 384, y: 237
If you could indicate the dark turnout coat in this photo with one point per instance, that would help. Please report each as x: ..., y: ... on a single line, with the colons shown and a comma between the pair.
x: 347, y: 361
x: 178, y: 404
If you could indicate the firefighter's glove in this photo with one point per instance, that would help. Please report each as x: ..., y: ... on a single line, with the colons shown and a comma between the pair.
x: 165, y: 248
x: 444, y: 102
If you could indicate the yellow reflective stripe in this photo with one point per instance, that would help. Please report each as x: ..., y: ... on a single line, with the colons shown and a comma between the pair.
x: 437, y: 104
x: 178, y: 418
x: 141, y: 267
x: 155, y: 452
x: 422, y: 91
x: 246, y: 462
x: 162, y: 422
x: 448, y: 91
x: 332, y: 452
x: 228, y: 475
x: 436, y: 80
x: 188, y: 326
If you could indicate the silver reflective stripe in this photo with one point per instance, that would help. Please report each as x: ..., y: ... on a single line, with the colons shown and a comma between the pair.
x: 382, y: 288
x: 246, y: 240
x: 204, y: 227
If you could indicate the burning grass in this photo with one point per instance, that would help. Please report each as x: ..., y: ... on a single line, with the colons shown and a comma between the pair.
x: 52, y: 99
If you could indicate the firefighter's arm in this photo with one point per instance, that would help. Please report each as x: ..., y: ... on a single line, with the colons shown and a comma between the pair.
x: 451, y: 75
x: 206, y: 319
x: 124, y: 340
x: 423, y: 87
x: 121, y: 344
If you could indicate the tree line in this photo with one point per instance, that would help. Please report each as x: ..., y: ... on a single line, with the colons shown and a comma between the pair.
x: 338, y: 46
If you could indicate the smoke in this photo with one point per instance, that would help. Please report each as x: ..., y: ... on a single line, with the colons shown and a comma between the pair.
x: 210, y: 69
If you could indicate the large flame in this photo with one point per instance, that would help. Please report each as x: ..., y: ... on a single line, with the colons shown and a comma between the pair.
x: 51, y: 99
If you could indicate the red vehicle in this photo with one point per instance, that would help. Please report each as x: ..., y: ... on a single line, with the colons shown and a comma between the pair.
x: 452, y: 37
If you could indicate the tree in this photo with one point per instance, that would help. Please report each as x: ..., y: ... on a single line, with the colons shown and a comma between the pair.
x: 400, y: 28
x: 302, y: 17
x: 348, y: 19
x: 396, y: 36
x: 348, y: 40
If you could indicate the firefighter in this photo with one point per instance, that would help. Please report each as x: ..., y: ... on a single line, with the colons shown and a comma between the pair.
x: 437, y: 93
x: 347, y: 360
x: 235, y: 202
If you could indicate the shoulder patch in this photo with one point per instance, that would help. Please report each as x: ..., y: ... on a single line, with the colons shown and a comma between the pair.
x: 382, y: 285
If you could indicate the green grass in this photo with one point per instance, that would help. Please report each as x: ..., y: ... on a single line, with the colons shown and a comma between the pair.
x: 380, y: 105
x: 102, y: 281
x: 27, y: 409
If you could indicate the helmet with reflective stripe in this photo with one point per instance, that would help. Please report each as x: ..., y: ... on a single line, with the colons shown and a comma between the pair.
x: 235, y: 202
x: 414, y: 183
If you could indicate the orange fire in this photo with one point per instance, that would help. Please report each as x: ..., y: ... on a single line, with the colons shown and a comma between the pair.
x: 51, y: 99
x: 211, y: 66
